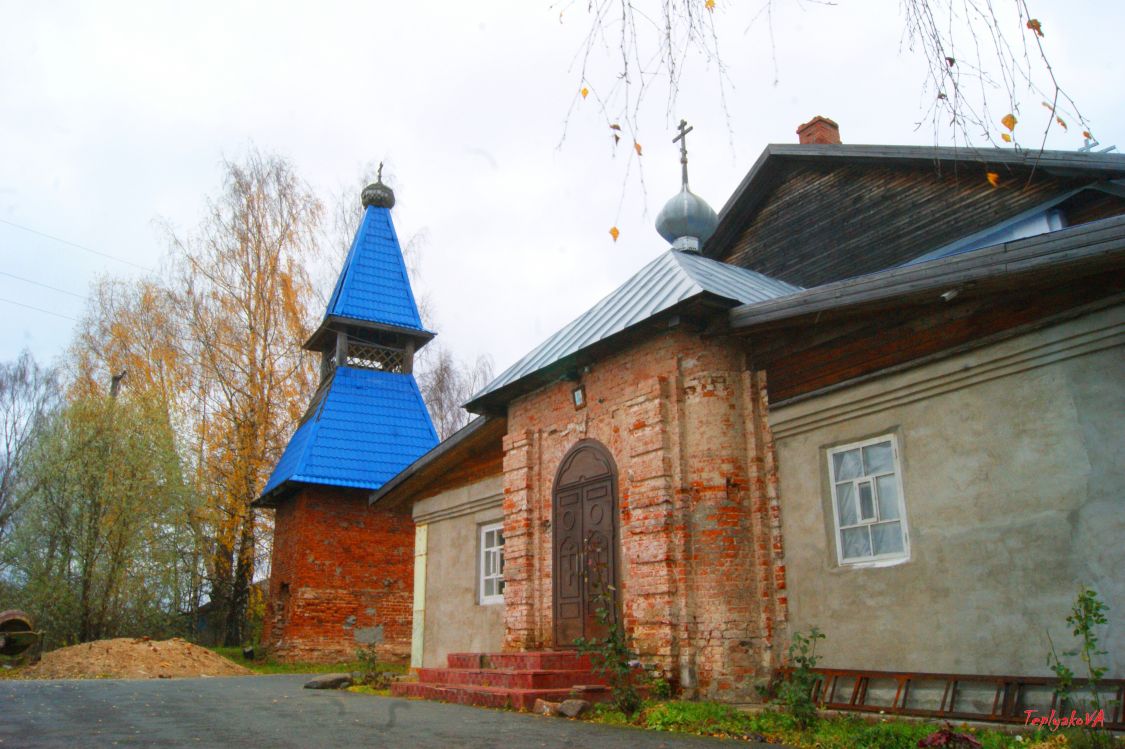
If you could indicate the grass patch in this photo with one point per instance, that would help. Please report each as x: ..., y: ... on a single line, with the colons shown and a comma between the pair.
x: 837, y: 732
x: 270, y: 666
x: 364, y: 689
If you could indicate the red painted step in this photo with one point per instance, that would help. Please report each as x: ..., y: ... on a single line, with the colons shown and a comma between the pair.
x: 509, y: 680
x: 532, y: 660
x: 517, y: 699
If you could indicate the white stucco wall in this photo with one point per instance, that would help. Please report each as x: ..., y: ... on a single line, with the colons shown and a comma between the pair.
x: 1013, y: 469
x: 453, y: 620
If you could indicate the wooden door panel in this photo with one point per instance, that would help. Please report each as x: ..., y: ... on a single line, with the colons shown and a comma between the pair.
x: 585, y: 544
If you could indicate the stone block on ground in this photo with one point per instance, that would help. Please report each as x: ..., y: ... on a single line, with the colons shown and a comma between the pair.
x: 330, y: 681
x: 573, y: 708
x: 545, y: 707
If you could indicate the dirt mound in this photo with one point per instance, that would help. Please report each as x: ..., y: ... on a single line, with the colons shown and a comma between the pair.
x: 126, y: 658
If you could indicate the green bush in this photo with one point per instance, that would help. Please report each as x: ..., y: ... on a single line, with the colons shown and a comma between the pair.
x: 372, y: 672
x: 795, y: 692
x: 612, y: 656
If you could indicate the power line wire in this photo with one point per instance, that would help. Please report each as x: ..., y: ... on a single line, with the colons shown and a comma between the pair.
x: 75, y: 244
x: 37, y: 283
x: 38, y: 309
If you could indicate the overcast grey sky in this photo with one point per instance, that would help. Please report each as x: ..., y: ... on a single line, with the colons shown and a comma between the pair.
x: 115, y: 116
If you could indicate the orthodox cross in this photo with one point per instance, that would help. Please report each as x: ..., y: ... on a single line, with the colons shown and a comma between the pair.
x: 682, y: 140
x: 379, y: 174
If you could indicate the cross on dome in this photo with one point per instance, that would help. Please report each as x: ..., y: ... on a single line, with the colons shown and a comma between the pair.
x: 686, y: 220
x: 682, y: 140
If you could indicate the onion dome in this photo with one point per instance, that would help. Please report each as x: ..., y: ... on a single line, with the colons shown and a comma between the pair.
x: 686, y: 221
x: 377, y: 194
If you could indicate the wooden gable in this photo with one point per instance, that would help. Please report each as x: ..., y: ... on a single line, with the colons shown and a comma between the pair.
x: 810, y: 215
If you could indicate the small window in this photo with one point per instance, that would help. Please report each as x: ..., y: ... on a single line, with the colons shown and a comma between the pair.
x: 867, y: 502
x: 492, y: 563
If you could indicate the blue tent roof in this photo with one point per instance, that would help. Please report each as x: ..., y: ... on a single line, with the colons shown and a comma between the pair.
x: 364, y: 427
x: 373, y: 285
x: 671, y: 278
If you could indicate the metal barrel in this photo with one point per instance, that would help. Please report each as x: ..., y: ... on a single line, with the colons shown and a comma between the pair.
x: 16, y: 633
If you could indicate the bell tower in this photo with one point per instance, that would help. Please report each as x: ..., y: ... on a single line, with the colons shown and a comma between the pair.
x: 341, y: 576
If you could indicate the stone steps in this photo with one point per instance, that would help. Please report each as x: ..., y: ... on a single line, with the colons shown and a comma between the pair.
x: 508, y: 680
x: 531, y: 660
x: 514, y: 699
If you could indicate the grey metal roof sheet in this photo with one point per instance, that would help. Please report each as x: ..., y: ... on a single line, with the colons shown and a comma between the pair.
x: 1101, y: 241
x: 671, y: 278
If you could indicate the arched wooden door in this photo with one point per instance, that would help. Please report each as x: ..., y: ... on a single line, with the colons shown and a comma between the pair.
x: 584, y: 543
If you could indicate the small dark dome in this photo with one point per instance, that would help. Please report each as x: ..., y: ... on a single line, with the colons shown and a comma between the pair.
x: 378, y: 195
x: 684, y: 218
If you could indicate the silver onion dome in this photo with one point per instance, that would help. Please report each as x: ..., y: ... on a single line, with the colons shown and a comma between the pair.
x: 686, y: 221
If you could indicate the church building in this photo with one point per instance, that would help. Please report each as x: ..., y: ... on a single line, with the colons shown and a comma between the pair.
x: 878, y: 393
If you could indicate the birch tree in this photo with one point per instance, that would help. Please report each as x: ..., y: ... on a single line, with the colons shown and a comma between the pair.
x: 446, y: 385
x: 242, y: 283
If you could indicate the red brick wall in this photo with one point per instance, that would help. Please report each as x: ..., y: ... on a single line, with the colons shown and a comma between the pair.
x: 342, y: 576
x: 702, y: 587
x: 472, y: 469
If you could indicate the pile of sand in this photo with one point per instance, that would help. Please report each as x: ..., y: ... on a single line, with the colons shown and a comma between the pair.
x: 126, y: 658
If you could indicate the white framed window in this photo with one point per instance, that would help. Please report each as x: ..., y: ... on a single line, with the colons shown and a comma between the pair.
x: 491, y: 585
x: 867, y: 502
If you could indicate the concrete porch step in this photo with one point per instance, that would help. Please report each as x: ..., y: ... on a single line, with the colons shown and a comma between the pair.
x: 532, y: 660
x: 517, y: 699
x: 510, y: 678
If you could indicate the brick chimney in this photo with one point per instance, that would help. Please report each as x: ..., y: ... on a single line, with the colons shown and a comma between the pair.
x: 819, y: 130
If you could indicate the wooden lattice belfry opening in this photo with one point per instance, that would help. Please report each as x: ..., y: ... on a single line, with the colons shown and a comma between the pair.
x: 364, y: 354
x: 370, y: 356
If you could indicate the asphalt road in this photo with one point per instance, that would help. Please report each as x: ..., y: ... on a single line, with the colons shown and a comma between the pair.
x: 261, y: 712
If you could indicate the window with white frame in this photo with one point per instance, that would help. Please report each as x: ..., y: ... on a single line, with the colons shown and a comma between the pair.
x: 867, y: 502
x: 492, y: 563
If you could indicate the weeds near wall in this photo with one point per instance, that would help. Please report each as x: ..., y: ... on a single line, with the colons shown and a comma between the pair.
x: 1086, y: 615
x: 371, y: 672
x: 657, y: 683
x: 795, y: 691
x: 612, y: 656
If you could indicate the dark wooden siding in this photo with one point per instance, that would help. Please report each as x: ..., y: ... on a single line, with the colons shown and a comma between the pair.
x: 1090, y: 205
x: 833, y: 350
x: 826, y: 222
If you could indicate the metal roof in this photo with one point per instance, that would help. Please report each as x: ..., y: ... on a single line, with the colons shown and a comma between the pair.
x: 1096, y: 246
x: 672, y: 278
x: 363, y: 427
x: 374, y: 286
x: 482, y: 433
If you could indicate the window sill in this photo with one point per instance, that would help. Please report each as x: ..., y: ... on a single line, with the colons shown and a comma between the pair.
x: 872, y: 563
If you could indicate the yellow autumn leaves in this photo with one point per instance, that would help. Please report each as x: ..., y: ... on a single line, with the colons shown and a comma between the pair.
x: 1009, y: 121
